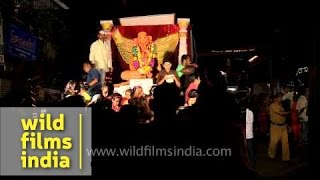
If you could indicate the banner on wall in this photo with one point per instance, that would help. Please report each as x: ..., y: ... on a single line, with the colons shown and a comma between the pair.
x: 21, y: 44
x: 1, y: 44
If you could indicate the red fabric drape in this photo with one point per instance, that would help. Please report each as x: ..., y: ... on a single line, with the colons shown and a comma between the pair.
x: 156, y: 31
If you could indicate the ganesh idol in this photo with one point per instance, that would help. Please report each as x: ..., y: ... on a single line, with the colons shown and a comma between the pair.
x: 143, y: 55
x: 144, y: 58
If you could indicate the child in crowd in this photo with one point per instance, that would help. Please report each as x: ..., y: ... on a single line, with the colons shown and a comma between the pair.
x: 126, y: 98
x: 116, y: 102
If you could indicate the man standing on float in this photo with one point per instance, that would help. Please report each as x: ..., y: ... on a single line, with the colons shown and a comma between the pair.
x: 100, y: 54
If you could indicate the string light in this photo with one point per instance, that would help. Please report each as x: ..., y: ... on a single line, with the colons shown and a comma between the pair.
x: 233, y: 50
x: 253, y: 58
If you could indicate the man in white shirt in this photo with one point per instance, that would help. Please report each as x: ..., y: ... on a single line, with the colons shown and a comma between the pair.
x: 302, y: 107
x: 250, y: 136
x: 100, y: 54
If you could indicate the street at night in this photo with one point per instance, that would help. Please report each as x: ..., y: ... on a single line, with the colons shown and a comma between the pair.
x: 211, y: 88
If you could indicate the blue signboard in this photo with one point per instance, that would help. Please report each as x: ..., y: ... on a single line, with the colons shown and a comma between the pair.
x: 21, y: 44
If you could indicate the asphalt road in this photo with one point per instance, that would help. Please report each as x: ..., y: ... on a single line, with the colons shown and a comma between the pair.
x: 266, y: 167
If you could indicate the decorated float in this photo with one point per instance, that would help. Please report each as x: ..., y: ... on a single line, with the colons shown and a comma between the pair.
x: 143, y: 42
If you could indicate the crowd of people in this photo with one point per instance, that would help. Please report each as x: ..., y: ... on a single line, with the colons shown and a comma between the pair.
x: 94, y: 91
x: 186, y: 107
x: 177, y: 111
x: 281, y: 118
